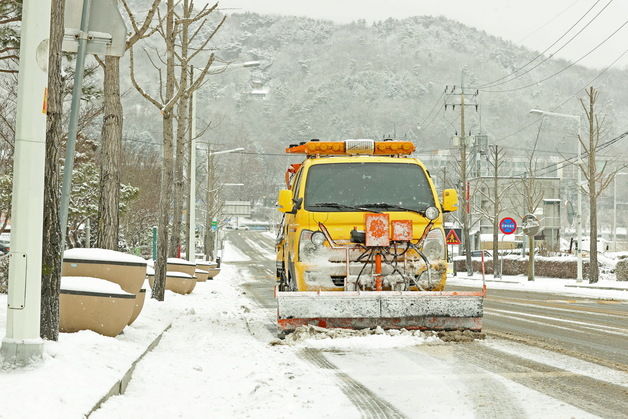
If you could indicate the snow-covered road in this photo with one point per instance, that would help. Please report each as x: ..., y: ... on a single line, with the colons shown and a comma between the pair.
x: 219, y: 361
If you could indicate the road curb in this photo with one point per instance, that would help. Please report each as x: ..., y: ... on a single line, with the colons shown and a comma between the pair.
x: 596, y: 288
x: 120, y: 386
x: 486, y: 280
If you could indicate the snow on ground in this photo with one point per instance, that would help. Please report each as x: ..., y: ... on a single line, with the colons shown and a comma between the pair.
x: 265, y: 251
x: 217, y: 361
x: 356, y: 340
x: 233, y: 254
x: 80, y: 368
x: 567, y: 287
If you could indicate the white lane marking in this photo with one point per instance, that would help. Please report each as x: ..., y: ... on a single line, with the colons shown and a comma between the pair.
x: 583, y: 325
x: 595, y: 325
x: 621, y: 316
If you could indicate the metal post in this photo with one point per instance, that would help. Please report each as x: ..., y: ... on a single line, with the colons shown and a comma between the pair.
x: 77, y: 90
x: 579, y: 216
x: 615, y: 212
x: 88, y: 233
x: 154, y: 243
x: 22, y: 343
x: 192, y: 204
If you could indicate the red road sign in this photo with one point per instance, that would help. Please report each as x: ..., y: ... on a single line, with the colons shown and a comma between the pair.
x: 452, y: 237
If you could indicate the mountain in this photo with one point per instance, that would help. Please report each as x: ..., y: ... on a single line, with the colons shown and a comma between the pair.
x: 386, y: 79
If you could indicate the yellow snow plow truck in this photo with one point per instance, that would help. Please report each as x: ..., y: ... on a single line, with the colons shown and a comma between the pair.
x: 361, y: 243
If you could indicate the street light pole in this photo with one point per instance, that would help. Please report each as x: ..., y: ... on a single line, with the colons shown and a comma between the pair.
x: 615, y: 208
x: 578, y: 119
x: 191, y: 249
x: 22, y: 342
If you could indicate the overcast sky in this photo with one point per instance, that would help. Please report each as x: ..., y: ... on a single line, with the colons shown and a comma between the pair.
x: 533, y: 23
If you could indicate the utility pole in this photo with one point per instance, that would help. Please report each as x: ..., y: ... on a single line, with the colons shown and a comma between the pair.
x: 22, y: 342
x: 460, y: 92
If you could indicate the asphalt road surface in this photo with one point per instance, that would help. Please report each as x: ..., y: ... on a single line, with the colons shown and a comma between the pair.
x: 546, y: 355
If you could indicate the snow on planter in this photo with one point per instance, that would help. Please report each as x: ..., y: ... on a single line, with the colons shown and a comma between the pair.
x: 177, y: 282
x: 181, y: 265
x: 87, y: 303
x: 126, y: 270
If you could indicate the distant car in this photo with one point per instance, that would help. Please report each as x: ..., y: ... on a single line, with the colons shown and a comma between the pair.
x: 478, y: 253
x: 4, y: 248
x: 243, y: 228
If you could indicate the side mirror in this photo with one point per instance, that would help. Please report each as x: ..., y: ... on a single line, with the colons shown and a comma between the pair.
x: 450, y: 200
x: 284, y: 200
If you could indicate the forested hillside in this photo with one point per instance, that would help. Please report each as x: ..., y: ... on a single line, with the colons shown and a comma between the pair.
x: 327, y: 80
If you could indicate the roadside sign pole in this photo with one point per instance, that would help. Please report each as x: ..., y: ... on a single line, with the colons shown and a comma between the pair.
x: 154, y: 243
x: 77, y: 90
x: 22, y: 343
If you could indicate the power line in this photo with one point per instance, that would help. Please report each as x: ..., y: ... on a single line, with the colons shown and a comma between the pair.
x: 564, y: 68
x: 600, y: 74
x: 550, y: 56
x: 562, y: 12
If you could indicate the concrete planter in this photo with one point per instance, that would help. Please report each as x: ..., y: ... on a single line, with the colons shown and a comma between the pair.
x: 177, y: 282
x: 213, y: 272
x: 205, y: 265
x: 181, y: 265
x: 125, y: 270
x: 139, y: 304
x: 103, y: 313
x: 201, y: 275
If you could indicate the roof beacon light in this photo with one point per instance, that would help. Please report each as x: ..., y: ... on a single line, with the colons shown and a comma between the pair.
x: 352, y: 147
x: 359, y: 146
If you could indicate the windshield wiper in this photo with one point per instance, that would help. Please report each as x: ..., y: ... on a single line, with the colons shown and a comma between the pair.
x: 341, y: 206
x: 392, y: 206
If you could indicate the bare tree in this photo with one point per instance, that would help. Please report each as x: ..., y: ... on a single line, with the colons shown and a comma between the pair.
x: 111, y: 143
x: 531, y: 194
x: 496, y: 201
x: 10, y: 17
x: 52, y: 252
x: 190, y: 27
x: 170, y: 93
x: 598, y: 179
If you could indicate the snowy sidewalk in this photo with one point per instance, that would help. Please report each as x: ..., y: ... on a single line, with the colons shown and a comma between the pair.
x: 217, y: 361
x: 604, y: 289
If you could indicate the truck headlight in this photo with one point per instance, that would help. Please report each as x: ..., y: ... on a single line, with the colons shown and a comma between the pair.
x: 306, y: 247
x: 318, y: 238
x: 432, y: 213
x: 434, y: 245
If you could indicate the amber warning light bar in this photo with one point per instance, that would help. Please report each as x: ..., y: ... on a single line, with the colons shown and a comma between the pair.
x: 353, y: 147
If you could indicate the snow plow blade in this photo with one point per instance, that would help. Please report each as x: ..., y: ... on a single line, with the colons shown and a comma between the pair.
x: 411, y: 310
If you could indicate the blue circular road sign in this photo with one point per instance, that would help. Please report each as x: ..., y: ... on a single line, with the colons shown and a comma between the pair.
x: 508, y: 225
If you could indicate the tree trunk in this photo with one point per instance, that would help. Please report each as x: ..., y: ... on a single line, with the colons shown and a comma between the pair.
x: 111, y: 139
x: 531, y: 258
x: 165, y: 199
x: 52, y: 252
x: 165, y: 195
x: 190, y: 240
x: 182, y: 127
x: 593, y: 267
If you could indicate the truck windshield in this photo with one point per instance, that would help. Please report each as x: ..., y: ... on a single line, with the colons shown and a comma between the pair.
x: 341, y: 187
